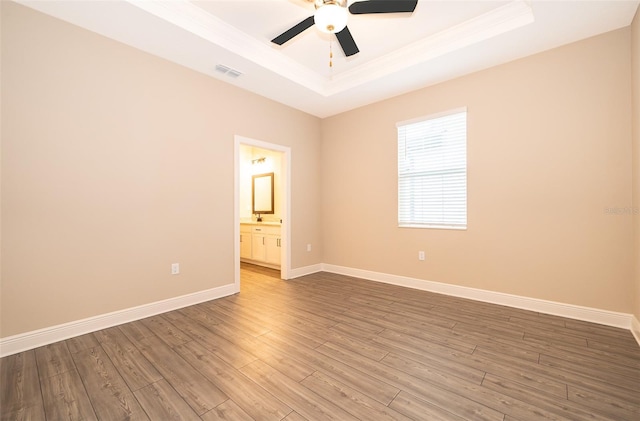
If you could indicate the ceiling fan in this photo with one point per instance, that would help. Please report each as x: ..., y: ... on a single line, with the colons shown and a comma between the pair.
x: 331, y: 17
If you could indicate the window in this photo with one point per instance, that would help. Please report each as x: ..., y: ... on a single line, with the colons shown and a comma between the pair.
x: 432, y: 171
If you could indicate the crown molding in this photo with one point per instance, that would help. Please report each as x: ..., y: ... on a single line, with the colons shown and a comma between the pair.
x: 488, y: 25
x: 197, y: 21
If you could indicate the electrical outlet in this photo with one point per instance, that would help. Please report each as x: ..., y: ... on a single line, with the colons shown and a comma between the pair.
x: 421, y: 255
x: 308, y: 247
x: 175, y: 268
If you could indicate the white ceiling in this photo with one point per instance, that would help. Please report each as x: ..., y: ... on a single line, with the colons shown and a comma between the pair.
x: 398, y: 52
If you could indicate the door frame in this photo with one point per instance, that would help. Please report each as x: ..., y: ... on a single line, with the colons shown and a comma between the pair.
x: 285, y: 233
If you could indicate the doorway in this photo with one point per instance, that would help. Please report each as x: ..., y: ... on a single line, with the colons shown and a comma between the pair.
x: 280, y: 166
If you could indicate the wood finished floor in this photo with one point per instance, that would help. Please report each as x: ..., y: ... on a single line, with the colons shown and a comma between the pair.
x: 330, y: 347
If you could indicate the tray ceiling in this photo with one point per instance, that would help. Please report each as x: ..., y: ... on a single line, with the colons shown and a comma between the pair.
x: 440, y: 40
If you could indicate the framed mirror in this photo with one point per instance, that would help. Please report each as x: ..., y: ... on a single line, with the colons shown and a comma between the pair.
x: 262, y: 193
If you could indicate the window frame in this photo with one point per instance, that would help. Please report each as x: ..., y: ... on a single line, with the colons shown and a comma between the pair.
x: 434, y: 225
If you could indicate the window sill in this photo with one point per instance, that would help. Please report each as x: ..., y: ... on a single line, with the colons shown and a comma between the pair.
x: 440, y: 227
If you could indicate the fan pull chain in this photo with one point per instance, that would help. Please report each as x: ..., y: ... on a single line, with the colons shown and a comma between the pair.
x: 331, y: 53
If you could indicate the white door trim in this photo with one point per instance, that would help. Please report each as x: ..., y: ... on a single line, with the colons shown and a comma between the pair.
x: 285, y: 260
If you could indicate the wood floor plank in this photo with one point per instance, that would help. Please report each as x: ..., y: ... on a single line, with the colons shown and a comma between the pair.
x: 371, y: 300
x: 600, y: 331
x: 253, y: 399
x: 25, y: 413
x: 472, y: 366
x: 354, y: 402
x: 604, y: 345
x: 499, y: 344
x: 223, y: 348
x: 371, y: 313
x: 161, y: 402
x: 367, y: 349
x: 568, y: 352
x: 417, y: 378
x: 312, y: 331
x: 20, y: 395
x: 371, y: 326
x: 571, y: 378
x: 419, y: 409
x: 630, y: 382
x: 242, y: 322
x: 255, y: 309
x: 134, y: 368
x: 452, y: 402
x: 492, y: 330
x: 536, y: 320
x: 498, y: 401
x: 293, y: 333
x: 418, y: 320
x: 329, y: 346
x: 353, y: 332
x: 313, y: 313
x: 612, y: 354
x: 195, y: 389
x: 81, y: 343
x: 195, y: 313
x: 469, y: 390
x: 552, y: 408
x: 433, y: 335
x: 107, y: 391
x: 374, y: 388
x: 65, y: 398
x: 136, y: 330
x: 616, y: 408
x: 294, y: 416
x: 555, y: 338
x: 166, y: 331
x: 514, y: 350
x: 439, y: 367
x: 227, y: 411
x: 473, y: 313
x: 277, y: 359
x: 614, y: 365
x: 54, y: 359
x: 233, y: 333
x: 295, y: 395
x: 567, y: 334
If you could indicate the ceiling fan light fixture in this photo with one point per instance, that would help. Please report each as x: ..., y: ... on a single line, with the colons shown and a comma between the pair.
x: 331, y: 15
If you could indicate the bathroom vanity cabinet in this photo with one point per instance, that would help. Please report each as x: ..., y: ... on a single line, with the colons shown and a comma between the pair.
x: 261, y: 244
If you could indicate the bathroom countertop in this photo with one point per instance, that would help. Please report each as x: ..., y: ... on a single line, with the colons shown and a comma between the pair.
x: 272, y: 223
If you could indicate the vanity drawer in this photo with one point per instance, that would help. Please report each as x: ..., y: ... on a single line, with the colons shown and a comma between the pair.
x: 265, y: 229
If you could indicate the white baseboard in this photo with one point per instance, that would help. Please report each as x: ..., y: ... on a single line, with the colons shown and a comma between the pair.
x: 635, y: 328
x: 24, y: 341
x: 306, y: 270
x: 604, y: 317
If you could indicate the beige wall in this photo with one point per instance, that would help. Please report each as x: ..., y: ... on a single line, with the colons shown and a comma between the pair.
x: 549, y: 149
x: 635, y: 56
x: 116, y: 164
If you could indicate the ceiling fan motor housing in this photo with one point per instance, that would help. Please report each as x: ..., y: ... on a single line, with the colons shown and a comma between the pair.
x: 331, y: 15
x: 320, y: 3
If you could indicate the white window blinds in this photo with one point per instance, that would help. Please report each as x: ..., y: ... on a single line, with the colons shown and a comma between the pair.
x: 432, y: 171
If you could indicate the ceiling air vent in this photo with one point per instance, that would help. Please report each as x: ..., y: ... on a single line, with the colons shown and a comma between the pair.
x: 221, y: 68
